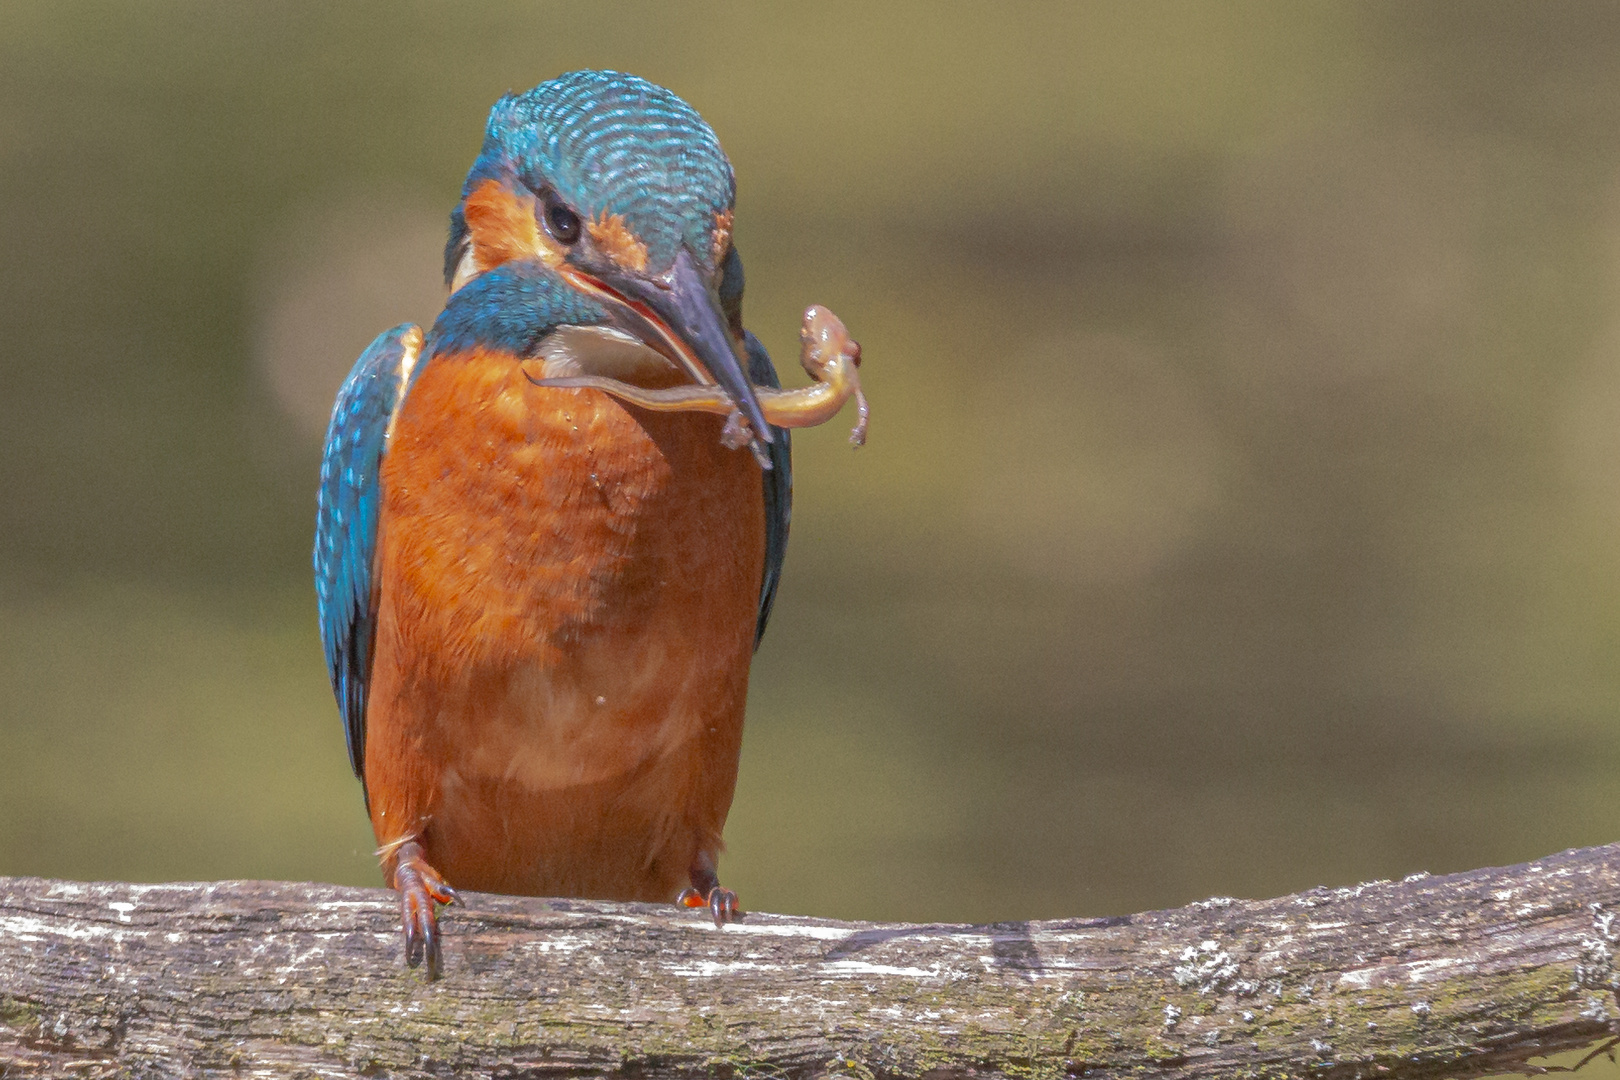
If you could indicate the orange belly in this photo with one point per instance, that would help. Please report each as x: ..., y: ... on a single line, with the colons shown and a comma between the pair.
x: 568, y: 592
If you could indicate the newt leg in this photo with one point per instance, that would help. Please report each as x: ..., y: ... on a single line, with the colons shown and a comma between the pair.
x: 420, y: 887
x: 706, y: 891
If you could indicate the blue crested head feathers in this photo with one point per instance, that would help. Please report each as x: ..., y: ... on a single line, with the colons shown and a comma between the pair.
x: 608, y: 143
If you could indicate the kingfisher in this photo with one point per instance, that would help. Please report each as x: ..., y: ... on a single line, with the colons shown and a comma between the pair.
x: 539, y: 600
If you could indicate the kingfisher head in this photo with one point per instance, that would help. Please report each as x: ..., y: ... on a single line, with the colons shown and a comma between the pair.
x: 621, y: 189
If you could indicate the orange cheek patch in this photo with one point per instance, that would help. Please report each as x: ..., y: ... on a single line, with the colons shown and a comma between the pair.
x: 614, y: 239
x: 503, y: 227
x: 722, y: 236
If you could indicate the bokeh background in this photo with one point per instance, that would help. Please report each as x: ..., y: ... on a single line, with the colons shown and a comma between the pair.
x: 1242, y: 505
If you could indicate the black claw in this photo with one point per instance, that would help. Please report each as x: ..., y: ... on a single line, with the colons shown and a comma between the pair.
x: 723, y: 906
x: 410, y: 919
x: 421, y: 926
x: 421, y: 936
x: 706, y: 891
x: 435, y: 962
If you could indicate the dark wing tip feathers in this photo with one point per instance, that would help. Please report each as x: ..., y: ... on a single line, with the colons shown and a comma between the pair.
x: 778, y: 482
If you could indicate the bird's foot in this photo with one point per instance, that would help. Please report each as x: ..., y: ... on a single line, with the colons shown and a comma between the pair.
x: 721, y: 902
x: 706, y: 891
x: 420, y: 887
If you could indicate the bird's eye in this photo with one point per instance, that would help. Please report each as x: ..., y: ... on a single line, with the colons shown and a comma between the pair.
x: 561, y: 222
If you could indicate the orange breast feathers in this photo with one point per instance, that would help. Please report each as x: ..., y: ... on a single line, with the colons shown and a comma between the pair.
x: 568, y: 591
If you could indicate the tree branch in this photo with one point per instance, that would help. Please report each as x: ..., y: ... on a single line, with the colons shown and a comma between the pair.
x: 1467, y: 974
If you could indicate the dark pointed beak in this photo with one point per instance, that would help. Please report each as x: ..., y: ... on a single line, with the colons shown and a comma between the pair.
x: 679, y: 313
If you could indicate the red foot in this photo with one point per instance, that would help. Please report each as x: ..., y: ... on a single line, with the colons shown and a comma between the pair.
x: 722, y: 904
x: 419, y: 887
x: 706, y: 891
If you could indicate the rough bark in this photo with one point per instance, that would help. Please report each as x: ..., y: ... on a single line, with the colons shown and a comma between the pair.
x: 1467, y: 974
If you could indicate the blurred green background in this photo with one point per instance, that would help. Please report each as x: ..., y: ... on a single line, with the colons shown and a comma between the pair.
x: 1242, y: 505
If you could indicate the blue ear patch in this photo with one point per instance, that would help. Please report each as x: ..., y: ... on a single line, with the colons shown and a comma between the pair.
x: 509, y: 309
x: 346, y: 523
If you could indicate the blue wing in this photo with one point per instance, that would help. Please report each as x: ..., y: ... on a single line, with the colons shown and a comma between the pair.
x: 778, y: 488
x: 346, y: 522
